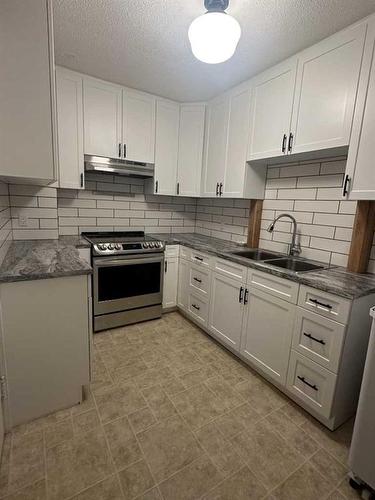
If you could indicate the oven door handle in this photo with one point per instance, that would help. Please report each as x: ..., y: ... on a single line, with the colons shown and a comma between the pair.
x: 127, y: 262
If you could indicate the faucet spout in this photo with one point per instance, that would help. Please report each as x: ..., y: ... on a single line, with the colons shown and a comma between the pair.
x: 295, y: 248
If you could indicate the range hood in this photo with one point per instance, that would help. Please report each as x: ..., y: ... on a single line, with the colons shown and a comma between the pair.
x: 118, y: 166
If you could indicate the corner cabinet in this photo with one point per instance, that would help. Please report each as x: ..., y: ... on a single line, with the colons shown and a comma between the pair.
x: 170, y: 277
x: 27, y: 89
x: 69, y: 102
x: 360, y: 171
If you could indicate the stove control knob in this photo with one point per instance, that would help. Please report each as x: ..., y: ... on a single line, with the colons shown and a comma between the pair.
x: 102, y: 246
x: 118, y: 246
x: 111, y: 246
x: 145, y: 245
x: 151, y: 245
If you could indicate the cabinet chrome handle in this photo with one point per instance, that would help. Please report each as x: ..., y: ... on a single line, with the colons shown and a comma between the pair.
x: 178, y: 188
x: 156, y: 186
x: 81, y: 177
x: 124, y: 150
x: 290, y: 142
x: 345, y: 190
x: 198, y: 258
x: 314, y: 339
x: 240, y: 297
x: 221, y: 189
x: 302, y: 379
x: 246, y: 296
x: 318, y: 303
x: 283, y: 144
x: 197, y: 279
x: 195, y: 307
x: 165, y: 266
x: 217, y: 189
x: 119, y: 149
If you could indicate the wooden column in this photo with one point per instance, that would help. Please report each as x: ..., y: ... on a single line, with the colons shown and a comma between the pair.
x: 255, y: 218
x: 363, y: 234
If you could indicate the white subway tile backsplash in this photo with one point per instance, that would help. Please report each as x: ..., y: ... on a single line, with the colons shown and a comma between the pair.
x: 296, y: 194
x: 334, y: 220
x: 300, y: 170
x: 321, y: 181
x: 316, y: 206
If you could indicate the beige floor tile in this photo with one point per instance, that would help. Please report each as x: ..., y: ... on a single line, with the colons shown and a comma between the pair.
x: 241, y: 486
x: 347, y: 491
x: 152, y: 494
x: 36, y: 491
x: 229, y: 398
x: 86, y: 421
x: 221, y: 451
x: 168, y: 446
x: 329, y: 467
x: 55, y: 434
x: 152, y: 376
x: 172, y: 386
x: 260, y: 395
x: 295, y: 413
x: 141, y: 419
x: 109, y: 489
x: 306, y: 483
x: 87, y: 403
x: 198, y: 376
x: 159, y: 402
x: 267, y: 454
x: 136, y: 480
x: 294, y: 435
x: 77, y: 464
x: 336, y: 495
x: 192, y: 481
x: 237, y: 420
x: 119, y: 401
x: 122, y: 443
x: 123, y: 374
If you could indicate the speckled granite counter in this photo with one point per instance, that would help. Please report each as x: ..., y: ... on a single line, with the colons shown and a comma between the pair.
x: 334, y: 280
x: 41, y: 259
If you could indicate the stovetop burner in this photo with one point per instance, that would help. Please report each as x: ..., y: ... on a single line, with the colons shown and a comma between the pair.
x: 122, y: 242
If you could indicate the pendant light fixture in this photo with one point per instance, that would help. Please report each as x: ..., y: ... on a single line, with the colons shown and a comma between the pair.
x: 214, y: 35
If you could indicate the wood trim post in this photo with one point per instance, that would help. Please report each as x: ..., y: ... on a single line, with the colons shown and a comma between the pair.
x: 255, y: 218
x: 362, y: 238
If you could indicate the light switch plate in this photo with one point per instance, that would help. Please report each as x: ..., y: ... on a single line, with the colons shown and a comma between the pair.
x: 23, y: 221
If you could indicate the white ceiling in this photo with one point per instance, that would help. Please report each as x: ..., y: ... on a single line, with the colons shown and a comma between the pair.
x: 144, y: 44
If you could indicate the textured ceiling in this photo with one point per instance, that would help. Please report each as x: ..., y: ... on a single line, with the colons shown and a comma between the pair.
x: 144, y: 44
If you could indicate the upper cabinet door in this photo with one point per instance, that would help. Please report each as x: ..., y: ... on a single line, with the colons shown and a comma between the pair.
x: 138, y: 126
x: 326, y: 88
x: 166, y: 147
x: 69, y: 100
x: 190, y: 149
x: 360, y: 169
x: 216, y: 145
x: 271, y: 112
x: 238, y: 134
x: 27, y: 90
x: 102, y: 111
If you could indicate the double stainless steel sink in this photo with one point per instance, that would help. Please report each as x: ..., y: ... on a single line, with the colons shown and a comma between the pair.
x: 293, y: 264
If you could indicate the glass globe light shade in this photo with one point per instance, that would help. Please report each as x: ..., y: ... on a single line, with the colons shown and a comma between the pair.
x: 214, y: 37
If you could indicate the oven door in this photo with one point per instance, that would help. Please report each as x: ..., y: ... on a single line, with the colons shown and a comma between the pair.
x: 123, y: 283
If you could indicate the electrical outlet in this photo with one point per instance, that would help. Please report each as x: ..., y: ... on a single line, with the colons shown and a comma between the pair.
x: 23, y: 221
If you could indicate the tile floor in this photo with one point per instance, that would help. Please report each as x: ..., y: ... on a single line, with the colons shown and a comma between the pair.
x: 172, y: 415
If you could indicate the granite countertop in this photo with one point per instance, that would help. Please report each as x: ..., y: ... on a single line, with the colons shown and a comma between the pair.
x: 75, y: 241
x: 334, y: 280
x: 41, y: 259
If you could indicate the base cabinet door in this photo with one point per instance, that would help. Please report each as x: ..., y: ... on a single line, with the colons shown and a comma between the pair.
x: 170, y: 282
x: 183, y: 284
x: 267, y: 334
x: 226, y: 310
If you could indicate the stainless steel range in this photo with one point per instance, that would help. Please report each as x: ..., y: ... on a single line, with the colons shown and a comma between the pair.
x: 127, y: 279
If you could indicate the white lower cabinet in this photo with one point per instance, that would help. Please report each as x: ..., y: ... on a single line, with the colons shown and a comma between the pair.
x: 170, y: 282
x: 183, y: 284
x: 267, y: 334
x: 226, y: 310
x: 198, y: 308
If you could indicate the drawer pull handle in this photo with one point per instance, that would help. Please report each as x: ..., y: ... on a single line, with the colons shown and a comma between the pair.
x: 198, y: 258
x: 245, y: 300
x: 302, y: 379
x: 318, y: 303
x: 313, y: 338
x: 240, y: 298
x: 195, y: 307
x: 197, y: 279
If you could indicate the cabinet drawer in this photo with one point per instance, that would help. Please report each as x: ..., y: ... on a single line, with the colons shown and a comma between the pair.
x: 198, y: 308
x: 318, y: 338
x: 199, y: 279
x: 230, y: 269
x: 171, y: 250
x: 326, y: 304
x: 311, y: 383
x: 279, y: 287
x: 185, y: 252
x: 200, y: 258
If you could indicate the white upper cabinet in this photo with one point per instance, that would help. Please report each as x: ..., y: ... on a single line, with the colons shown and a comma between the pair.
x: 360, y: 170
x: 326, y: 88
x: 190, y: 149
x: 69, y: 101
x: 271, y: 111
x: 102, y: 109
x: 166, y: 147
x: 27, y: 90
x: 215, y: 146
x: 138, y: 126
